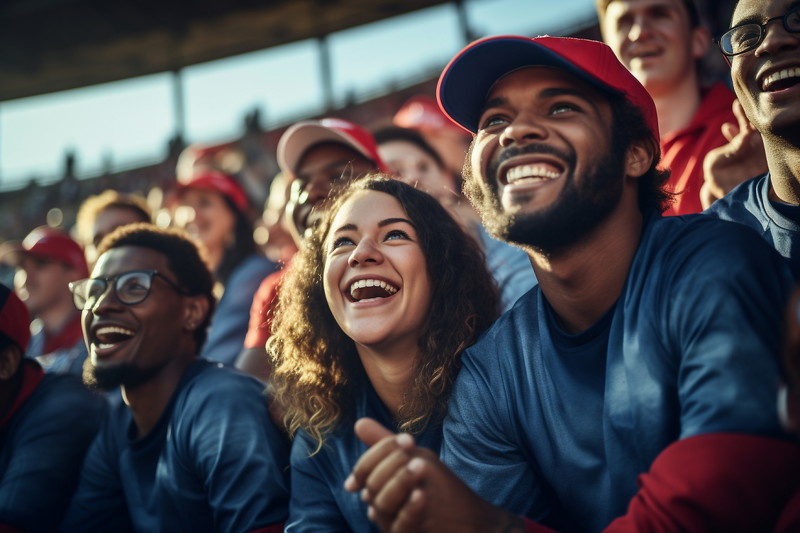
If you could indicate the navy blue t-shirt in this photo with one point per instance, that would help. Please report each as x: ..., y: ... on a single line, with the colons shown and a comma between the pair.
x: 557, y: 427
x: 319, y: 501
x: 777, y: 223
x: 214, y: 462
x: 42, y: 447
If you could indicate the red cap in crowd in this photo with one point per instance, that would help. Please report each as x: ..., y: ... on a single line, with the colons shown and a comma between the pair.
x: 467, y: 79
x: 303, y: 135
x: 52, y: 244
x: 212, y: 180
x: 421, y: 112
x: 15, y: 322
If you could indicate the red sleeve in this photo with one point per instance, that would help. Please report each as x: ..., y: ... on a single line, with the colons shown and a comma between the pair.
x: 260, y: 325
x: 718, y: 482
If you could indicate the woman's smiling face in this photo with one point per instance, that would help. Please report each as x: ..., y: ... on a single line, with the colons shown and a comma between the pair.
x: 375, y: 276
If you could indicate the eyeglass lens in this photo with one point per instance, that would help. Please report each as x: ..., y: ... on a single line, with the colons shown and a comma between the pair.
x: 130, y: 288
x: 747, y: 37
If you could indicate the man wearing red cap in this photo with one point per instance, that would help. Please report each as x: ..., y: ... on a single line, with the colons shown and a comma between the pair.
x: 633, y: 389
x: 46, y: 425
x: 47, y: 260
x: 318, y: 155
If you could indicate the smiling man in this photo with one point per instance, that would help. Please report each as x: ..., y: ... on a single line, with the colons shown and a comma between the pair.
x: 662, y: 42
x: 193, y: 447
x: 763, y: 47
x: 634, y: 388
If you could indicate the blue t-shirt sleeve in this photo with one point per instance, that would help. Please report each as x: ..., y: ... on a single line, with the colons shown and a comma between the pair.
x: 238, y: 453
x: 480, y: 442
x: 313, y: 506
x: 725, y: 320
x: 99, y: 503
x: 47, y: 448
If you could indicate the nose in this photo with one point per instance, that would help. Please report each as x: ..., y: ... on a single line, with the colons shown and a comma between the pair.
x: 522, y: 130
x: 640, y: 29
x: 365, y: 252
x: 105, y: 301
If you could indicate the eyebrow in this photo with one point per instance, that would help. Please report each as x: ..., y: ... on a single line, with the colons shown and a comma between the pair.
x: 552, y: 92
x: 757, y: 18
x: 383, y: 223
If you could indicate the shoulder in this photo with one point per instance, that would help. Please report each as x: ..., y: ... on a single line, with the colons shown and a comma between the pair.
x: 216, y: 380
x: 253, y: 266
x: 743, y: 203
x: 64, y: 396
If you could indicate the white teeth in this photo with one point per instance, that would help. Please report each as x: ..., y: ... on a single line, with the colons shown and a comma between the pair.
x: 540, y: 172
x: 104, y: 346
x: 114, y: 329
x: 364, y: 283
x: 793, y: 72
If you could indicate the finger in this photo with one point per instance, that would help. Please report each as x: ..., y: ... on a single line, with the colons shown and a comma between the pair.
x: 409, y: 518
x: 370, y: 431
x: 393, y: 490
x: 729, y: 131
x: 373, y: 457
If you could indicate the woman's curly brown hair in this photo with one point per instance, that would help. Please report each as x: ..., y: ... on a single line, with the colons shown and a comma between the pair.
x: 316, y: 368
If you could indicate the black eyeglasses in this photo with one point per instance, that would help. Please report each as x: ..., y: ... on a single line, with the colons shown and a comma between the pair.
x: 130, y: 288
x: 748, y: 36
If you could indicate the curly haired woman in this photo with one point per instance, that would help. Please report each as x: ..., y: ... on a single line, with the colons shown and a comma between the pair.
x: 372, y: 320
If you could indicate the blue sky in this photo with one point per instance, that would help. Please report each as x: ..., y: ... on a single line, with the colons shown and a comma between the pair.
x: 127, y: 124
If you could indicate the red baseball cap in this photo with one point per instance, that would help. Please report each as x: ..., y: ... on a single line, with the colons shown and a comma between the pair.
x: 212, y: 180
x: 468, y: 78
x: 52, y: 244
x: 15, y: 322
x: 422, y: 112
x: 303, y: 135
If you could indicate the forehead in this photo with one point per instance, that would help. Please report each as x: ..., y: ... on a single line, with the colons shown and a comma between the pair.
x: 755, y: 9
x: 127, y: 258
x: 622, y: 6
x: 528, y: 81
x: 367, y: 208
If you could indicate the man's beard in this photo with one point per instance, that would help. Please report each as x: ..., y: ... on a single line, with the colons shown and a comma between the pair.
x: 579, y: 208
x: 112, y: 376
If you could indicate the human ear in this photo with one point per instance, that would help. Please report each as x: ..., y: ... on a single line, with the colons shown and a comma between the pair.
x: 194, y: 311
x: 638, y: 159
x: 10, y: 357
x: 700, y: 41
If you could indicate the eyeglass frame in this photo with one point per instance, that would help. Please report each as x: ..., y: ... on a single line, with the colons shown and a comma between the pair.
x: 762, y: 29
x: 112, y: 282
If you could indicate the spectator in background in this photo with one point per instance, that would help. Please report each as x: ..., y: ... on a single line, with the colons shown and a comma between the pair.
x: 372, y: 319
x: 214, y: 209
x: 318, y: 156
x: 662, y: 42
x: 634, y: 388
x: 415, y: 162
x: 100, y: 214
x: 192, y: 447
x: 47, y: 260
x: 764, y: 54
x: 46, y: 425
x: 279, y: 246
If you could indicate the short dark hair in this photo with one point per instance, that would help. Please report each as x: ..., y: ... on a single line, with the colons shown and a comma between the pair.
x: 183, y: 258
x: 395, y: 133
x: 628, y: 127
x: 690, y: 5
x: 108, y: 199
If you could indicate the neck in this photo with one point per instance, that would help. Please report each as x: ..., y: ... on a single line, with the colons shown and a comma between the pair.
x: 677, y: 106
x: 214, y: 256
x: 148, y: 400
x: 783, y: 161
x: 582, y: 283
x: 389, y: 373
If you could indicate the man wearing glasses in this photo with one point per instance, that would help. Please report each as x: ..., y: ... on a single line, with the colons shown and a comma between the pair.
x: 192, y: 448
x: 763, y: 49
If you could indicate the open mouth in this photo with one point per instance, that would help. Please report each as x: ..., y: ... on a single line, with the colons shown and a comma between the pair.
x: 782, y: 79
x: 533, y: 172
x: 108, y: 337
x: 371, y: 289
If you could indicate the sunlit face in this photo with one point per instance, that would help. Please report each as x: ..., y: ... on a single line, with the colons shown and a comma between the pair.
x: 654, y: 40
x: 43, y: 284
x: 107, y: 221
x: 211, y: 221
x: 320, y: 169
x: 414, y: 166
x: 375, y: 277
x: 767, y: 79
x: 128, y: 344
x: 542, y: 170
